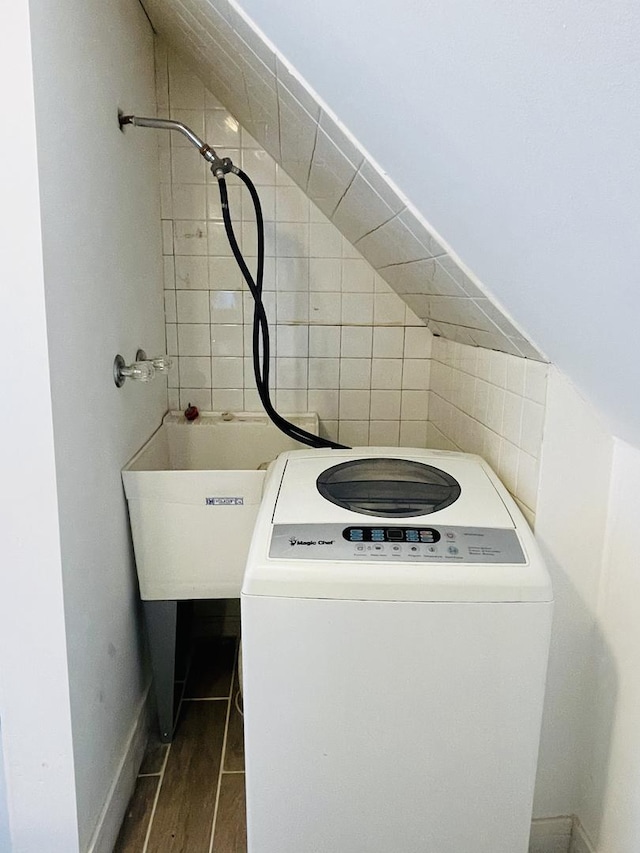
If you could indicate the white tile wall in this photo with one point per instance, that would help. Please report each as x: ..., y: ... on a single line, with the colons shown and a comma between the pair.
x: 288, y: 120
x: 493, y: 404
x: 343, y: 343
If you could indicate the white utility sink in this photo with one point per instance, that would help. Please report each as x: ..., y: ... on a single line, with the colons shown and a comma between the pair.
x: 193, y: 491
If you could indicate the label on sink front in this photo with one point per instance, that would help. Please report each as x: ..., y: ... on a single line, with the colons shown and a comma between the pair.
x: 224, y: 501
x: 370, y: 543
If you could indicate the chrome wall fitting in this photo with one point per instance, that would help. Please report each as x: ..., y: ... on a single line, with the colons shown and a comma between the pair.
x: 161, y: 363
x: 141, y: 371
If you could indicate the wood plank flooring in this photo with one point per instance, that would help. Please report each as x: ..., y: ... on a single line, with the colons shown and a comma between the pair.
x: 190, y: 795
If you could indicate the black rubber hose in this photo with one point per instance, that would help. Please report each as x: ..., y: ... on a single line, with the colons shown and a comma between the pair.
x: 260, y: 337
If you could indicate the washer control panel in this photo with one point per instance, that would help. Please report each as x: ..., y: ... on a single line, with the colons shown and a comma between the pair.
x: 403, y: 543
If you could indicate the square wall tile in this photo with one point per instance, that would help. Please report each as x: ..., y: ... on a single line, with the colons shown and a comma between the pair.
x: 192, y: 306
x: 192, y: 272
x: 218, y: 243
x: 386, y: 373
x: 292, y: 341
x: 389, y: 309
x: 417, y: 342
x: 260, y: 167
x: 194, y: 339
x: 353, y: 433
x: 324, y: 341
x: 355, y: 373
x: 325, y: 274
x: 171, y: 336
x: 169, y: 272
x: 388, y: 342
x: 384, y: 433
x: 292, y: 274
x: 227, y: 399
x: 385, y: 406
x: 357, y: 276
x: 227, y: 373
x: 187, y: 167
x: 292, y: 240
x: 325, y: 308
x: 190, y: 237
x: 227, y: 340
x: 221, y: 129
x: 325, y: 241
x: 189, y: 201
x: 356, y: 342
x: 186, y: 91
x: 292, y: 400
x: 360, y: 210
x: 357, y: 309
x: 167, y: 237
x: 416, y: 374
x: 292, y: 307
x: 291, y: 373
x: 353, y: 404
x: 170, y: 310
x: 325, y: 403
x: 226, y: 306
x: 292, y: 205
x: 224, y: 274
x: 324, y: 373
x: 200, y: 397
x: 413, y: 434
x: 414, y: 405
x: 195, y: 372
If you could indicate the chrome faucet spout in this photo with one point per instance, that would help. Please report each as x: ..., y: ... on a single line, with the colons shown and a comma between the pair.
x: 207, y: 151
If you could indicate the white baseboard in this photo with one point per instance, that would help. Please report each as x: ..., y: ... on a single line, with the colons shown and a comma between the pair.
x: 551, y: 835
x: 108, y: 827
x: 580, y: 841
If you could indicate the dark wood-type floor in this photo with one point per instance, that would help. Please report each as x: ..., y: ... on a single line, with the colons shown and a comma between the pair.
x: 189, y: 796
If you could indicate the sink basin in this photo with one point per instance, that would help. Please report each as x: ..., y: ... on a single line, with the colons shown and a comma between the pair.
x: 193, y: 492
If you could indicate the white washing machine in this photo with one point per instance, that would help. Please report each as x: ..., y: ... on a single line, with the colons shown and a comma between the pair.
x: 396, y: 615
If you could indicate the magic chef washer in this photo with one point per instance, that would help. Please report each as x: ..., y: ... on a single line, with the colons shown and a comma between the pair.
x: 396, y: 616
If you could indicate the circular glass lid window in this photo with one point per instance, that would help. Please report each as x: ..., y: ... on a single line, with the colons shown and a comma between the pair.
x: 393, y: 488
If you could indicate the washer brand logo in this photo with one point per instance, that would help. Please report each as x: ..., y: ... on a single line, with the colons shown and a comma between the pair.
x: 293, y: 541
x: 224, y: 501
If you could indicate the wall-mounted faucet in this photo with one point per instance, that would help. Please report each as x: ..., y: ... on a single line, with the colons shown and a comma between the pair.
x: 143, y: 369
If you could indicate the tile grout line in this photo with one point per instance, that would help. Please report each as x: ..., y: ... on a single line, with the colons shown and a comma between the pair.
x: 224, y: 748
x: 155, y: 801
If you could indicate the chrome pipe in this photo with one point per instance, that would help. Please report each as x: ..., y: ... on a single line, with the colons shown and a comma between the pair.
x: 207, y: 152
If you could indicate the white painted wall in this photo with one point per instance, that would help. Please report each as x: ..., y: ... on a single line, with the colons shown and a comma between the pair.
x: 610, y: 793
x: 586, y: 523
x: 5, y: 837
x: 102, y: 267
x: 573, y: 499
x: 34, y: 695
x: 512, y: 128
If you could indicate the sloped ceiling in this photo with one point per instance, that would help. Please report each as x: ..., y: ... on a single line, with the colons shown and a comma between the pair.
x: 264, y: 93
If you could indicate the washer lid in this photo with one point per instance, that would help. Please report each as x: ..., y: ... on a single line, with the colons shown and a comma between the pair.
x: 347, y: 485
x: 388, y: 488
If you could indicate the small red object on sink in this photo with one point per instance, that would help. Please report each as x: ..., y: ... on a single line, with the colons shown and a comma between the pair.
x: 191, y: 412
